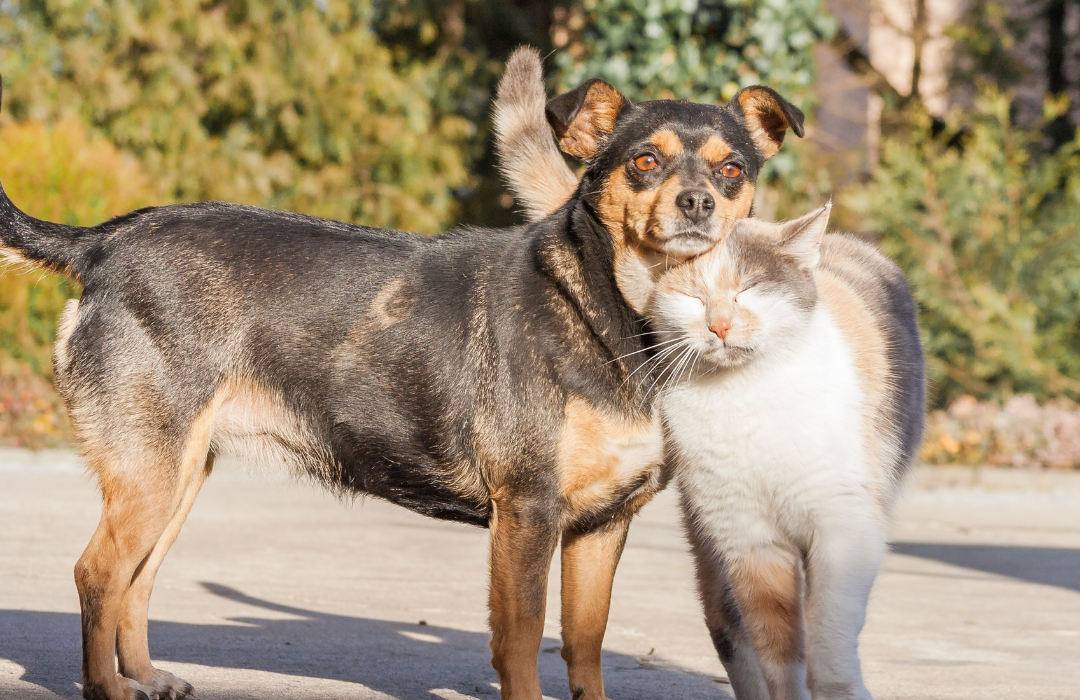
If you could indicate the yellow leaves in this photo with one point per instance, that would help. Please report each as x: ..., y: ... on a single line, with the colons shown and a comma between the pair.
x: 57, y: 173
x: 61, y: 174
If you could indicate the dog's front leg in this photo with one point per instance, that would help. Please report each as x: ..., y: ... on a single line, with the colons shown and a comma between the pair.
x: 523, y: 538
x: 588, y: 568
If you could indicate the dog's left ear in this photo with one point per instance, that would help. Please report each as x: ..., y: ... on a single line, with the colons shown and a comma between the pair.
x: 584, y: 118
x: 768, y: 117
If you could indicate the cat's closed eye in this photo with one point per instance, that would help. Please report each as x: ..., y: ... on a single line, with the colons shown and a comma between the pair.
x: 745, y: 289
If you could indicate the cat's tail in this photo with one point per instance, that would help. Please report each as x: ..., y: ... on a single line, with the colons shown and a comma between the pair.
x: 29, y: 241
x: 529, y: 159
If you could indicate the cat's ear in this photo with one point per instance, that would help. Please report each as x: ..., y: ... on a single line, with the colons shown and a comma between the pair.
x: 584, y: 118
x: 802, y: 237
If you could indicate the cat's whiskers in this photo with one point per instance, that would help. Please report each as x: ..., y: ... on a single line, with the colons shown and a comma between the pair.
x: 672, y: 367
x: 656, y: 358
x: 674, y: 379
x: 691, y: 357
x: 651, y: 347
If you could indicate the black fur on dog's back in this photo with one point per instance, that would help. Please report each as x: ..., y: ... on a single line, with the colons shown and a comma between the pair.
x: 493, y: 328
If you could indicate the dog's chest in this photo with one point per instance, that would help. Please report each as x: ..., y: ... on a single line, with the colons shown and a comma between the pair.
x: 603, y: 458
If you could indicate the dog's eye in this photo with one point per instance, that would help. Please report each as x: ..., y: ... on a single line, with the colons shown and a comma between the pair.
x: 645, y: 162
x: 730, y: 170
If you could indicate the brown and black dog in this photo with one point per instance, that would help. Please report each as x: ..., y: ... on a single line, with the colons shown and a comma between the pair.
x: 494, y: 377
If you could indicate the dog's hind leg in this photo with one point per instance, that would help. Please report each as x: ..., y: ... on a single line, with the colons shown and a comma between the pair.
x: 132, y: 645
x: 145, y: 503
x: 138, y: 504
x: 523, y: 539
x: 588, y: 569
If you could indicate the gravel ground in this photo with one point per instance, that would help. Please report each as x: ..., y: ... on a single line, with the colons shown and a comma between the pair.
x: 277, y: 590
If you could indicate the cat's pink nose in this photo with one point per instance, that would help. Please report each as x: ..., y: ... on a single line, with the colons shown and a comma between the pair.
x: 721, y: 328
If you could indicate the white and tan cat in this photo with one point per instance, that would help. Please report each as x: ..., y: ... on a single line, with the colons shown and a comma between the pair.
x: 796, y: 409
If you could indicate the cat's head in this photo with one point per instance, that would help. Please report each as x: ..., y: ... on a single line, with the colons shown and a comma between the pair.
x: 752, y: 293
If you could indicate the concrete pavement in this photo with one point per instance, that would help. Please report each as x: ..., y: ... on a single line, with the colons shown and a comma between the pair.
x: 277, y: 590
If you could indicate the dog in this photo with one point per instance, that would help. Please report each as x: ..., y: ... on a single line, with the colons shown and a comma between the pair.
x: 529, y: 143
x: 493, y: 377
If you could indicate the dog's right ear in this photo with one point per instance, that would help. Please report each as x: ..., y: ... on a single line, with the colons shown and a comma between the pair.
x: 584, y: 118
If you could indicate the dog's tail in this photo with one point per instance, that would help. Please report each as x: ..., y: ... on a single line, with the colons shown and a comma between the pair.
x: 29, y: 241
x: 529, y: 159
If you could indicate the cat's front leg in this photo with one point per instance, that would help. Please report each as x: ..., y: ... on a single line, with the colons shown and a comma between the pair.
x: 767, y: 582
x: 841, y: 567
x: 726, y: 627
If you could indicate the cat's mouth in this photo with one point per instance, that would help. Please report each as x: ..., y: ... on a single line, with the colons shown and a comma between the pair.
x: 727, y: 355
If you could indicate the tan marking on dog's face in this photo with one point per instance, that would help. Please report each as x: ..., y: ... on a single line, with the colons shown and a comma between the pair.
x: 636, y: 223
x: 715, y: 149
x: 667, y: 142
x: 630, y: 216
x: 598, y: 453
x: 738, y: 208
x: 391, y: 305
x: 768, y: 589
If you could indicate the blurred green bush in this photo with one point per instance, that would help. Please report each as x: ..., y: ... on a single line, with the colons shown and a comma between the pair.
x: 286, y: 104
x: 983, y: 218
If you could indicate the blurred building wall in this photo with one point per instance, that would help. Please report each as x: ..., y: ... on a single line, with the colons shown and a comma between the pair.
x: 889, y: 31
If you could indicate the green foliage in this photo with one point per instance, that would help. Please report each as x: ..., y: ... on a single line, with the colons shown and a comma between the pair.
x: 984, y: 40
x: 700, y: 50
x: 465, y: 44
x: 986, y: 229
x: 292, y: 104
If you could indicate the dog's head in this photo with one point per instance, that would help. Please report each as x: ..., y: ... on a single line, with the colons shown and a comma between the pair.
x: 671, y: 176
x: 667, y: 178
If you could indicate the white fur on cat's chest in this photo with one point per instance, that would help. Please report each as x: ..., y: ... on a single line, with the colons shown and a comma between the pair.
x: 781, y: 437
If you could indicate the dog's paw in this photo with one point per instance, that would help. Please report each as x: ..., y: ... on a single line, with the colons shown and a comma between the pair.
x: 162, y: 686
x: 169, y: 687
x: 140, y: 692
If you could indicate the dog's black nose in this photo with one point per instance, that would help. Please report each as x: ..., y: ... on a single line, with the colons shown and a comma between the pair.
x: 695, y: 204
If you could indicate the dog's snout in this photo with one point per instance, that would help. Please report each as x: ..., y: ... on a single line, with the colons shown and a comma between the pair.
x: 695, y: 204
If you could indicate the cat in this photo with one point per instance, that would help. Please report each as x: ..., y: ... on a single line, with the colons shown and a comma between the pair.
x: 793, y: 408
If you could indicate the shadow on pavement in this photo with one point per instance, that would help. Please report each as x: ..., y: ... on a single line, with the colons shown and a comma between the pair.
x: 1049, y: 566
x: 405, y: 661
